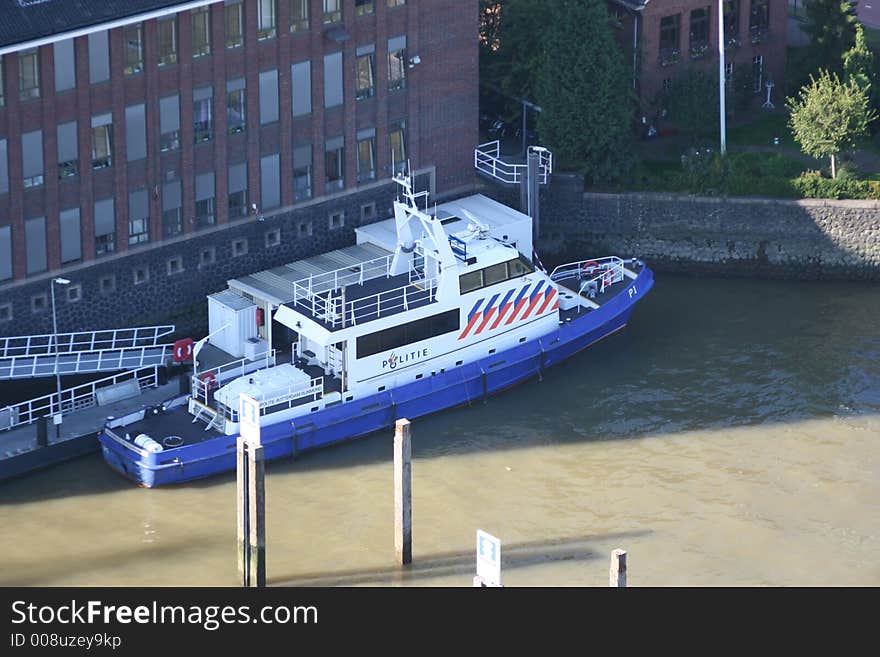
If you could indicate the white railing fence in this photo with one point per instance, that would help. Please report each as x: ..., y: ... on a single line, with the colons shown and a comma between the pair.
x: 487, y: 159
x: 603, y: 271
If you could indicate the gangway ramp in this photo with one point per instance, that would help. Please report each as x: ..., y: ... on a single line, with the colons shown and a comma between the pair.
x: 86, y: 352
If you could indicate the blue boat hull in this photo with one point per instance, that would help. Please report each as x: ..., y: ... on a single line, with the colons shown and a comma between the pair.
x: 454, y: 387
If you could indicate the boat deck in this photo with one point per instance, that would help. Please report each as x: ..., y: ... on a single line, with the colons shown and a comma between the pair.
x: 174, y: 422
x: 573, y: 284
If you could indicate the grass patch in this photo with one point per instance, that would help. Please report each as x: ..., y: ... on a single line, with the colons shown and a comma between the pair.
x: 761, y: 131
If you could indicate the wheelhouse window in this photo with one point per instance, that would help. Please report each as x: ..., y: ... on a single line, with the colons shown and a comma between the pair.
x: 404, y: 334
x: 471, y: 281
x: 133, y: 43
x: 299, y: 15
x: 201, y: 31
x: 497, y: 273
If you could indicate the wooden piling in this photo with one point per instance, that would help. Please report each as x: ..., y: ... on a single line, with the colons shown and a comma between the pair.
x: 43, y: 431
x: 251, y: 513
x: 402, y: 492
x: 617, y: 573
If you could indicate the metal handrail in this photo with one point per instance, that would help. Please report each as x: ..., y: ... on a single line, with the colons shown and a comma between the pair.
x: 487, y: 160
x: 98, y: 360
x: 605, y: 271
x: 200, y: 388
x: 65, y: 343
x: 71, y: 399
x: 332, y: 280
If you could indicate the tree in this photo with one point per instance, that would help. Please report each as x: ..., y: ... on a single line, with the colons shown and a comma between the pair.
x: 828, y: 116
x: 690, y: 101
x: 858, y: 65
x: 831, y: 25
x: 583, y: 88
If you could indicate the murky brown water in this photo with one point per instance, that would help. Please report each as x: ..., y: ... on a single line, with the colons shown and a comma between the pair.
x: 730, y: 436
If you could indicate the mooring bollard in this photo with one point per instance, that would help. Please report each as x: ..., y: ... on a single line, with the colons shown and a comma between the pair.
x: 617, y: 574
x: 402, y: 492
x: 251, y: 513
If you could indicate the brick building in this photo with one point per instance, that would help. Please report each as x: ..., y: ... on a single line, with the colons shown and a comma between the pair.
x: 661, y: 39
x: 152, y: 149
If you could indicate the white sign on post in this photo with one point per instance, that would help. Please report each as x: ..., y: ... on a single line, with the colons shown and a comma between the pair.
x: 488, y: 559
x: 249, y: 418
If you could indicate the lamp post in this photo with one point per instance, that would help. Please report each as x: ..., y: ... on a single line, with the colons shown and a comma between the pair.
x: 60, y: 281
x: 721, y: 77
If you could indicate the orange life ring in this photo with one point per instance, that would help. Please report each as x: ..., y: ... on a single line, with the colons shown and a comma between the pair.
x: 590, y: 267
x: 209, y: 379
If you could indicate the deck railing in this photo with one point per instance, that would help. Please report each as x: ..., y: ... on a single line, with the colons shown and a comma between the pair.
x: 72, y: 399
x: 318, y: 284
x: 487, y: 159
x: 604, y: 271
x: 279, y: 399
x: 205, y: 381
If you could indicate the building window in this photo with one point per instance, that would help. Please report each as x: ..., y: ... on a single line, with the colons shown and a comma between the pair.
x: 68, y: 152
x: 99, y: 57
x: 304, y: 229
x: 273, y: 238
x: 39, y: 303
x: 205, y: 199
x: 102, y: 136
x: 105, y: 227
x: 133, y: 43
x: 2, y: 84
x: 332, y: 11
x: 363, y: 7
x: 201, y: 31
x: 71, y: 235
x: 336, y: 220
x: 32, y: 158
x: 759, y: 20
x: 239, y: 247
x: 364, y: 73
x: 397, y: 63
x: 235, y: 105
x: 302, y: 172
x: 268, y: 96
x: 395, y: 3
x: 5, y: 253
x: 669, y: 39
x: 6, y: 312
x: 758, y: 72
x: 65, y: 67
x: 299, y: 15
x: 237, y: 186
x: 270, y: 190
x: 28, y: 74
x: 366, y: 155
x: 234, y: 24
x: 731, y: 23
x: 107, y: 284
x: 699, y: 34
x: 368, y: 212
x: 135, y: 132
x: 141, y: 275
x: 175, y: 265
x: 167, y: 28
x: 207, y: 256
x: 35, y: 245
x: 334, y: 164
x: 74, y: 292
x: 301, y: 88
x: 169, y: 123
x: 203, y: 114
x: 265, y: 19
x: 172, y: 220
x: 138, y: 217
x: 397, y: 144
